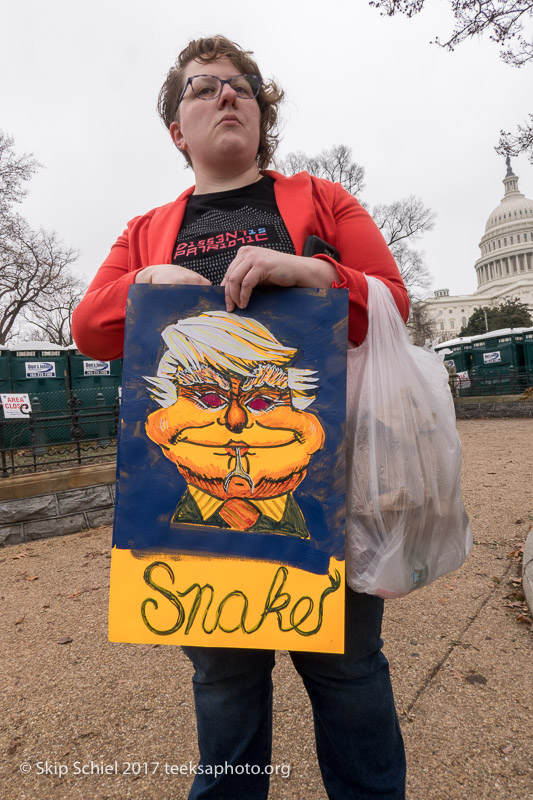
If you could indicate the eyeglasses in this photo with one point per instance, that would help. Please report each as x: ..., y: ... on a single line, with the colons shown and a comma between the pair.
x: 209, y: 87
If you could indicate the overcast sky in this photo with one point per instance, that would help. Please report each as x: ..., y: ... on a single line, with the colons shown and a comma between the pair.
x: 80, y: 82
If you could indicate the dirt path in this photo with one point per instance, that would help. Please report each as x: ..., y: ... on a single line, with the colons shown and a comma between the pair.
x: 461, y: 663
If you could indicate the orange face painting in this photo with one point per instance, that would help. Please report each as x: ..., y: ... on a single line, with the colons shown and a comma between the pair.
x: 235, y: 423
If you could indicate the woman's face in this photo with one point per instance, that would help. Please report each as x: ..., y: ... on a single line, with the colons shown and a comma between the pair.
x: 221, y: 136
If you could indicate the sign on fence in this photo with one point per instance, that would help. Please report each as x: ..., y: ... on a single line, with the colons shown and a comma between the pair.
x: 16, y: 406
x: 464, y: 379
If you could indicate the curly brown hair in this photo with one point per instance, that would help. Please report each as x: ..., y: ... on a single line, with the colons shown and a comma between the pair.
x: 209, y: 50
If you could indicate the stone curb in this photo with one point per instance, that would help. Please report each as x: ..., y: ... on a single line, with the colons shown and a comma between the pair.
x: 501, y: 409
x: 527, y: 570
x: 57, y: 513
x: 39, y: 483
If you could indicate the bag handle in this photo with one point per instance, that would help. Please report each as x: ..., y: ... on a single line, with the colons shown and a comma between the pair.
x: 383, y: 312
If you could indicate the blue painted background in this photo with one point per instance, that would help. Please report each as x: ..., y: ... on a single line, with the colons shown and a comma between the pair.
x: 314, y: 321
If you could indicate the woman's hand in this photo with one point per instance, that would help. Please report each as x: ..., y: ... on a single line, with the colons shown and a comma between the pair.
x: 259, y: 265
x: 171, y: 273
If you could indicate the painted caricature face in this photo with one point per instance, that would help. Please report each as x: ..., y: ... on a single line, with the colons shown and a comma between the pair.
x: 232, y: 438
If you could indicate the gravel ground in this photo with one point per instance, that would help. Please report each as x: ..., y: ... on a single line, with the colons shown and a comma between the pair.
x: 460, y: 659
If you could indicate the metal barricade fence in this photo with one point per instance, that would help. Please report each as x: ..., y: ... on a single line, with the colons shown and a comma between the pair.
x: 508, y: 382
x: 60, y: 429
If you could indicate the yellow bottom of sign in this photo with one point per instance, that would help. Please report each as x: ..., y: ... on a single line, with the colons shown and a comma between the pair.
x: 224, y: 602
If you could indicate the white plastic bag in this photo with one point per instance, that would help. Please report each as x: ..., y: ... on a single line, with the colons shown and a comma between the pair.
x: 406, y: 524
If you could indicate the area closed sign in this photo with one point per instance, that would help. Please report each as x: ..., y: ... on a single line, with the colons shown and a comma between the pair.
x: 15, y: 405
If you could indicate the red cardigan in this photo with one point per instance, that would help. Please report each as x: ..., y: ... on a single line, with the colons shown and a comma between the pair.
x: 308, y: 206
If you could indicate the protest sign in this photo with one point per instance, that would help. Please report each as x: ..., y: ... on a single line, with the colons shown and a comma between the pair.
x: 229, y: 524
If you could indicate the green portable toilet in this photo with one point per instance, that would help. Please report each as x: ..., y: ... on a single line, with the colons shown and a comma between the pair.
x: 5, y: 370
x: 38, y: 367
x: 88, y: 373
x: 499, y: 360
x: 458, y: 352
x: 90, y: 378
x: 468, y: 358
x: 528, y: 356
x: 7, y: 430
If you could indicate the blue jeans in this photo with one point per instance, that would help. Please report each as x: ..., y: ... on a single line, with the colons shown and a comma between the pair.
x: 358, y: 740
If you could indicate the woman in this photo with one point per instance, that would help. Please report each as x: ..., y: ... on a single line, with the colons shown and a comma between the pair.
x: 222, y: 117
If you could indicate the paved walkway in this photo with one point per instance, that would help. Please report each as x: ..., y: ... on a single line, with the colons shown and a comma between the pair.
x: 461, y: 662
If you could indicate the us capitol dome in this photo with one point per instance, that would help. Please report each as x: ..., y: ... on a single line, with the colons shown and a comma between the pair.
x: 504, y: 268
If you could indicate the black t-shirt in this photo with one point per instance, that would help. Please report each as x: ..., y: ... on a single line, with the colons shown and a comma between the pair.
x: 215, y: 225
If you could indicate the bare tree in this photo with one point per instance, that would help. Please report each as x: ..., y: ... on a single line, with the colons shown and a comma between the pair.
x: 420, y: 325
x: 33, y: 272
x: 50, y: 316
x: 15, y: 172
x: 34, y: 265
x: 334, y: 164
x: 402, y: 220
x: 503, y: 20
x: 520, y: 142
x: 413, y: 269
x: 507, y: 22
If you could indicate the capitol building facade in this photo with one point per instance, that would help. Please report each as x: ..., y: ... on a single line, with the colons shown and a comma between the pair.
x: 504, y: 269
